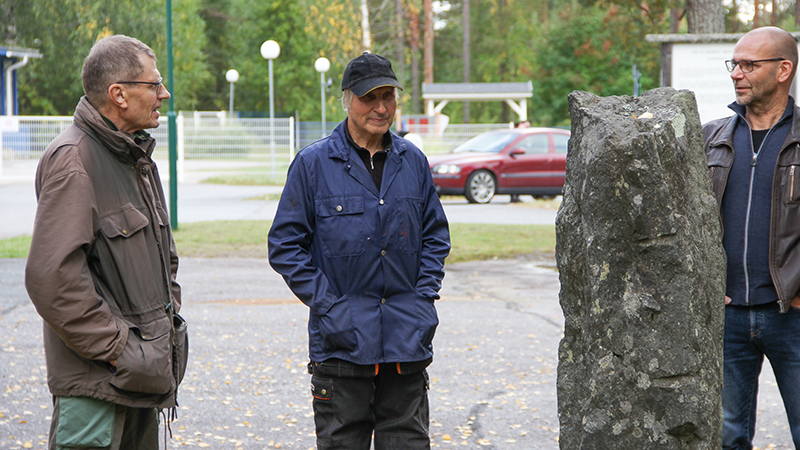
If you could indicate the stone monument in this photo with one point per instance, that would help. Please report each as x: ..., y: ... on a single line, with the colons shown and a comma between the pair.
x: 642, y: 273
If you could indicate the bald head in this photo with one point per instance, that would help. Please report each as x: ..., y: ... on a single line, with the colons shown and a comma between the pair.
x: 778, y: 42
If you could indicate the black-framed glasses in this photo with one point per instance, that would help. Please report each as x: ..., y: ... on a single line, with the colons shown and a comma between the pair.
x: 746, y: 66
x: 156, y: 84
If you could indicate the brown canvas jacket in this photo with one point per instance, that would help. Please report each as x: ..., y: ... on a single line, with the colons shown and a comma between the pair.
x: 102, y: 266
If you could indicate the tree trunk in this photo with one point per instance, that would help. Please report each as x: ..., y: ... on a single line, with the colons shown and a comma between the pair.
x: 705, y: 16
x: 466, y: 67
x: 797, y: 14
x: 365, y: 33
x: 674, y: 20
x: 399, y: 49
x: 756, y: 15
x: 428, y: 7
x: 9, y: 30
x: 774, y: 18
x: 413, y: 26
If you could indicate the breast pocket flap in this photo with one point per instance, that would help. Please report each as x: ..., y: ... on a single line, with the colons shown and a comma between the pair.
x: 339, y: 206
x: 123, y: 223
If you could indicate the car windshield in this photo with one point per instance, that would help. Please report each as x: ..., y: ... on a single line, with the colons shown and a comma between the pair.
x: 491, y: 142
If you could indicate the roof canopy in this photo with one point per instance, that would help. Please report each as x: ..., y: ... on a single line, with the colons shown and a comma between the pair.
x: 19, y: 52
x: 505, y: 92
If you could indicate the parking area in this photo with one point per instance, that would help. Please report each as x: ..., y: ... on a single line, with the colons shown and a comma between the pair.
x: 494, y: 371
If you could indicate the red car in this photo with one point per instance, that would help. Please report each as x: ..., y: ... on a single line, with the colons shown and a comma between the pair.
x: 528, y: 161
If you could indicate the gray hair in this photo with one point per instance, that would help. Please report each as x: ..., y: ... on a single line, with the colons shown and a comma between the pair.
x: 347, y: 97
x: 112, y: 59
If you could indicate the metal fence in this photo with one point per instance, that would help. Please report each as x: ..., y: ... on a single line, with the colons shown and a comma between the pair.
x: 211, y: 146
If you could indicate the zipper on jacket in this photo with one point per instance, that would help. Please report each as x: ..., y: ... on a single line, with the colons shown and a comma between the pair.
x: 791, y: 183
x: 753, y: 165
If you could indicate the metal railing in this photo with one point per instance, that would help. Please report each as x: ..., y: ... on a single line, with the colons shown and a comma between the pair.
x: 211, y: 146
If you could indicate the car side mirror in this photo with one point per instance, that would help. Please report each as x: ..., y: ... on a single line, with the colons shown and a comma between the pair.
x: 516, y: 152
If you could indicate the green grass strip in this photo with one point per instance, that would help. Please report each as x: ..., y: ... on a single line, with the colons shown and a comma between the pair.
x: 248, y: 239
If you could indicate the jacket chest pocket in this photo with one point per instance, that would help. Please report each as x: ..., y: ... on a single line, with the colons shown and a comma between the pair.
x: 719, y: 165
x: 793, y: 184
x: 788, y: 175
x: 341, y: 225
x: 789, y: 181
x: 123, y: 223
x: 407, y: 226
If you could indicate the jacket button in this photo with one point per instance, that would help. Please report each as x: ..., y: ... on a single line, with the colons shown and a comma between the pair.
x: 383, y: 300
x: 383, y: 252
x: 124, y: 231
x: 381, y: 202
x: 338, y: 208
x: 324, y: 391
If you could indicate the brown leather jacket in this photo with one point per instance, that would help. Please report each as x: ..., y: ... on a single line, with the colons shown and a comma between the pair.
x: 784, y: 248
x: 102, y: 265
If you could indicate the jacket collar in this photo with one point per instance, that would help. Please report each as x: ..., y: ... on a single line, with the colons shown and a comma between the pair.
x: 725, y: 137
x: 741, y: 110
x: 125, y: 146
x: 340, y: 148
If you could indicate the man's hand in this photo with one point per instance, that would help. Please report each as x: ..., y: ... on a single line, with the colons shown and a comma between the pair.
x: 728, y: 300
x: 796, y: 302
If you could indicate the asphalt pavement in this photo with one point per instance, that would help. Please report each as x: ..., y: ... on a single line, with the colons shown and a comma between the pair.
x: 494, y: 371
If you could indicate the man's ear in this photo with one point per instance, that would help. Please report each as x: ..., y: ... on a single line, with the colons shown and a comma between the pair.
x: 118, y: 96
x: 785, y: 71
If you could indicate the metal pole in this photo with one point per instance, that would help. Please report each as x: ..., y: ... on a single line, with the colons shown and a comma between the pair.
x: 173, y: 128
x: 271, y: 121
x: 322, y: 94
x: 231, y: 108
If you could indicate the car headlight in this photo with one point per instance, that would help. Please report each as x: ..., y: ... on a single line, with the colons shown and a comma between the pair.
x: 446, y: 169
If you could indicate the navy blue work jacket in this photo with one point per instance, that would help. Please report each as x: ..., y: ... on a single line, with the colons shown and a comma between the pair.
x: 368, y: 264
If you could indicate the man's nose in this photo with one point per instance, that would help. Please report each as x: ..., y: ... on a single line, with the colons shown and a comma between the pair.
x: 737, y: 73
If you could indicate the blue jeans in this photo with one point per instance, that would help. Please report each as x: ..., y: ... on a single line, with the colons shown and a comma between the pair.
x: 750, y: 334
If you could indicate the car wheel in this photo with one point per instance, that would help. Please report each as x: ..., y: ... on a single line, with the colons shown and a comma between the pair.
x: 481, y: 187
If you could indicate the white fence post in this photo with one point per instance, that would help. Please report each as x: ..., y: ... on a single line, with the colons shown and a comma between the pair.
x: 291, y: 140
x: 2, y: 152
x: 181, y: 147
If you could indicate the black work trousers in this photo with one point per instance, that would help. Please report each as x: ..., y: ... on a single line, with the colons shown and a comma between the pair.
x: 349, y: 409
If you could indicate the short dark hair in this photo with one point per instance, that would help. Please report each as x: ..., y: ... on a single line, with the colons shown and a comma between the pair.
x: 111, y: 59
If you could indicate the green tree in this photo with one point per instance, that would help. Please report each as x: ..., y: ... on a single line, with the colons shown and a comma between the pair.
x: 65, y: 30
x: 305, y: 30
x: 591, y: 49
x: 504, y: 34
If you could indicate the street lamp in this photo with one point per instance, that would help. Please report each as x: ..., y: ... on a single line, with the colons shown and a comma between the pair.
x: 270, y: 50
x: 322, y: 65
x: 232, y: 76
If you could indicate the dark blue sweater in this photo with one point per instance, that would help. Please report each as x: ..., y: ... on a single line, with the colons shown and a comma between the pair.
x: 746, y: 206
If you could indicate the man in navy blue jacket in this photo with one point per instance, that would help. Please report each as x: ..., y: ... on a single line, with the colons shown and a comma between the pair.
x: 753, y: 157
x: 361, y: 237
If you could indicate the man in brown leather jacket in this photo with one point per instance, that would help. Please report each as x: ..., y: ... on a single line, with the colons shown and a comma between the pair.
x: 753, y: 157
x: 102, y: 265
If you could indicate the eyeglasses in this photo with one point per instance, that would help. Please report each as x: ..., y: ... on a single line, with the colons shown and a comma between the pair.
x: 746, y: 66
x: 156, y: 84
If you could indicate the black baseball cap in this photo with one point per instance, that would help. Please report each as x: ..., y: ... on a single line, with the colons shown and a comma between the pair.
x: 367, y: 72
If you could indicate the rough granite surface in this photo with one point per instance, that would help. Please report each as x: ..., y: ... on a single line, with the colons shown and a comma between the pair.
x: 642, y: 274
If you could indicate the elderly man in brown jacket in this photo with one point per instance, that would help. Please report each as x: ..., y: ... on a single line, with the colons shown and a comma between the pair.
x: 102, y: 265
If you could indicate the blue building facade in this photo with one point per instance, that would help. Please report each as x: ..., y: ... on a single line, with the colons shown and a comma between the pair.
x: 12, y: 59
